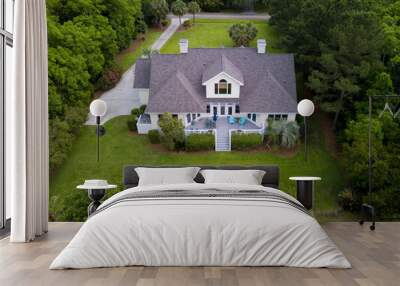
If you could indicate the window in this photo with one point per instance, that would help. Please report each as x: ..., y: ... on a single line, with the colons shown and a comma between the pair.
x: 175, y: 116
x: 254, y: 117
x: 223, y: 87
x: 278, y: 117
x: 193, y: 116
x: 6, y: 64
x: 249, y: 115
x: 208, y: 108
x: 188, y: 118
x: 230, y: 109
x: 237, y: 108
x: 215, y: 110
x: 223, y: 110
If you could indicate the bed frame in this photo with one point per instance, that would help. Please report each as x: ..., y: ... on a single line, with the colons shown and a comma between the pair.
x: 270, y: 179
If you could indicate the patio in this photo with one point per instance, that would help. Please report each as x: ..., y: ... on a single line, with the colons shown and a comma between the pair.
x: 222, y: 124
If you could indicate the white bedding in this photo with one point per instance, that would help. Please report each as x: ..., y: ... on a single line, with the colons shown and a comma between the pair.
x: 202, y: 232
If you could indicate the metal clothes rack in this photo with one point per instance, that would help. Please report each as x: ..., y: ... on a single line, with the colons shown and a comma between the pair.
x: 368, y: 209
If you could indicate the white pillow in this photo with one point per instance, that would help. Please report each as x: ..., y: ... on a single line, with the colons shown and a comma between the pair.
x: 248, y: 177
x: 166, y: 176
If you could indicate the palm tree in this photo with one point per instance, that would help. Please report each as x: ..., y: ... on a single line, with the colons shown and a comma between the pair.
x: 283, y: 133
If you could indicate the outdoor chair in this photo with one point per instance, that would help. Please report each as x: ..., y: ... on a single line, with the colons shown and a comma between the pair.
x: 231, y: 120
x: 242, y: 121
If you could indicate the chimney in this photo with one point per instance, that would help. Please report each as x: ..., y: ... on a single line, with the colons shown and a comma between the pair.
x: 183, y: 46
x: 261, y: 45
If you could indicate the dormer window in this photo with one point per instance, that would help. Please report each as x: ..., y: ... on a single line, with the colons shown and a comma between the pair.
x: 223, y: 87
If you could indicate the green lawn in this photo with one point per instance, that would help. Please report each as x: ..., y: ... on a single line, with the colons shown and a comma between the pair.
x: 213, y: 33
x: 119, y: 147
x: 128, y: 57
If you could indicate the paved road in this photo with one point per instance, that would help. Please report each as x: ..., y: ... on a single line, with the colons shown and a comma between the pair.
x: 122, y: 98
x: 243, y: 16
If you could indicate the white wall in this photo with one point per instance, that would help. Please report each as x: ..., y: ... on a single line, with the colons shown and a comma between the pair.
x: 210, y: 87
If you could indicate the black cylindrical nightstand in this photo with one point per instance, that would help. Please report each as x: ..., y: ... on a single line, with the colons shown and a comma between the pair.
x: 305, y: 190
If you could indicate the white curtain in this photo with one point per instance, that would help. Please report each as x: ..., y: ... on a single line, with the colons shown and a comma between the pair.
x: 28, y: 124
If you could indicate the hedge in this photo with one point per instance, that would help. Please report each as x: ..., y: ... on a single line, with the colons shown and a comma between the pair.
x: 154, y: 136
x: 200, y: 142
x: 132, y: 121
x: 245, y: 141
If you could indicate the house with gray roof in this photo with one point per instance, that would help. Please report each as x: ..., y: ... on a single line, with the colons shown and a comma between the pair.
x: 218, y: 90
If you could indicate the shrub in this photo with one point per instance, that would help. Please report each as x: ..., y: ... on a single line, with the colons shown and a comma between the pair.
x: 172, y: 129
x: 187, y: 24
x: 242, y: 34
x: 110, y: 78
x: 199, y: 142
x: 165, y: 22
x: 246, y: 141
x: 154, y: 136
x: 135, y: 111
x: 132, y: 121
x: 211, y: 5
x: 283, y: 133
x: 386, y: 203
x: 347, y: 201
x: 142, y: 108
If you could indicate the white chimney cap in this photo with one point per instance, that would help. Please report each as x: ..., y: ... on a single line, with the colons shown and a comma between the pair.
x: 261, y: 46
x: 183, y: 46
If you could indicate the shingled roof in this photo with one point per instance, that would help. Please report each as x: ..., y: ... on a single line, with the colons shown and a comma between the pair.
x: 175, y: 81
x: 142, y: 73
x: 222, y: 65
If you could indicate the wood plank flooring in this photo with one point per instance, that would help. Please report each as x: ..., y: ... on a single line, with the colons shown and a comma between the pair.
x: 375, y: 257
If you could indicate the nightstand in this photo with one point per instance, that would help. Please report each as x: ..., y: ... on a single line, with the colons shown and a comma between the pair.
x: 96, y: 190
x: 305, y: 190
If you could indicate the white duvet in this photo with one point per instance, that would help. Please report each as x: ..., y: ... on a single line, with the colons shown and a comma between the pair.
x: 202, y: 232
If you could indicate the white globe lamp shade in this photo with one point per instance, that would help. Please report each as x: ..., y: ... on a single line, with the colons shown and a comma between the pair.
x: 305, y: 107
x: 98, y: 107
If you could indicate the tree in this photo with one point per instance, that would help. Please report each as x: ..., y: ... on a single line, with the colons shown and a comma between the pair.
x: 193, y: 8
x: 242, y: 34
x: 155, y: 11
x: 172, y: 129
x: 283, y: 133
x: 211, y: 5
x: 179, y: 9
x: 148, y: 52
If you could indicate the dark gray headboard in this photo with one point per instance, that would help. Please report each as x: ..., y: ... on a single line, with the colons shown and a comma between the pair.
x: 271, y: 177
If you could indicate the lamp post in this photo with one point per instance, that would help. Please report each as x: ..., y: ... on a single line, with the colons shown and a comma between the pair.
x: 305, y: 109
x: 98, y: 108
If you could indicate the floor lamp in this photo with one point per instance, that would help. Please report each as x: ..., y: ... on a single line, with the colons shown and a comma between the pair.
x: 98, y: 108
x: 305, y: 109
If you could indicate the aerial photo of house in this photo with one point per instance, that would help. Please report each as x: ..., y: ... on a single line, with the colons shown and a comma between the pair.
x: 218, y: 89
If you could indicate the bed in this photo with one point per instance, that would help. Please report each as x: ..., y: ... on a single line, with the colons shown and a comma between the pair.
x: 201, y: 224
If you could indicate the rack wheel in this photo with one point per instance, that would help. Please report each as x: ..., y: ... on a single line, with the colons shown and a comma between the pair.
x: 372, y: 227
x: 361, y: 222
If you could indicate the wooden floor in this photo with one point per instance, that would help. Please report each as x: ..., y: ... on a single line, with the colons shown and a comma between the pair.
x: 375, y: 257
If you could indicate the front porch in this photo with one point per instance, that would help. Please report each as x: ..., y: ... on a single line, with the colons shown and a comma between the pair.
x: 222, y: 129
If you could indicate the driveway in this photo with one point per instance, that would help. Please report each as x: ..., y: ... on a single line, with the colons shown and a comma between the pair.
x: 122, y: 98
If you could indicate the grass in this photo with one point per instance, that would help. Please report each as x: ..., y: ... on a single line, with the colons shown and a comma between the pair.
x: 213, y: 33
x: 119, y: 148
x: 128, y: 57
